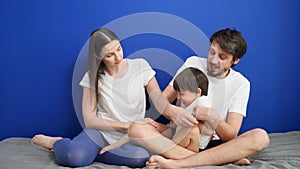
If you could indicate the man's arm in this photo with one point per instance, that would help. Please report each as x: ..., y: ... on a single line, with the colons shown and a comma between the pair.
x: 226, y: 130
x: 230, y: 129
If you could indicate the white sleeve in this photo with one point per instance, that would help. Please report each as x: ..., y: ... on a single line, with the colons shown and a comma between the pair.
x: 184, y: 66
x: 192, y: 61
x: 85, y: 82
x: 148, y: 72
x: 240, y: 100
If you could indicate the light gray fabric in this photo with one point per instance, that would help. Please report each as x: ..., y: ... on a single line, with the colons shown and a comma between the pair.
x: 19, y: 153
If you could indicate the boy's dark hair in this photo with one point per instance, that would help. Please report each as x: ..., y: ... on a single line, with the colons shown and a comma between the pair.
x: 231, y: 41
x: 191, y: 79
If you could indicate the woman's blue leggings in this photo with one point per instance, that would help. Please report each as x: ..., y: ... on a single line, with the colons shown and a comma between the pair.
x: 84, y: 150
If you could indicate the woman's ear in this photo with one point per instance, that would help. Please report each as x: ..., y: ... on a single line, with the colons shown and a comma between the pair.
x: 199, y: 92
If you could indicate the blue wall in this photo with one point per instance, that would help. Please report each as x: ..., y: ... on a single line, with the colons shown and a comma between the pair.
x: 40, y: 42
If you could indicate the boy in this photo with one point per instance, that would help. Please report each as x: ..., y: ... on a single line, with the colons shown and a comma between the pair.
x: 191, y: 86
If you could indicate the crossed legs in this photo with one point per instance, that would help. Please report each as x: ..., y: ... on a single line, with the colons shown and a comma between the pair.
x: 84, y: 150
x: 174, y: 156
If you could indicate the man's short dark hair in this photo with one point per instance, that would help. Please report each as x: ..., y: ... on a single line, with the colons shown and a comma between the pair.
x: 231, y: 41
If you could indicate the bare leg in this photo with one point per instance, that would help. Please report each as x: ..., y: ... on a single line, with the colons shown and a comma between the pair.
x: 188, y: 138
x: 44, y: 141
x: 243, y: 146
x: 150, y: 138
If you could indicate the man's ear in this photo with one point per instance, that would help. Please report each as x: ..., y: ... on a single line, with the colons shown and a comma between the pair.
x: 236, y: 61
x: 199, y: 92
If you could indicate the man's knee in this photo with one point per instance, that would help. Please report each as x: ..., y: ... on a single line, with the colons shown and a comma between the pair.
x: 260, y: 139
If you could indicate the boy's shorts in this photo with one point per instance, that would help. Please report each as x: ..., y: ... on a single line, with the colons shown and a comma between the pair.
x: 212, y: 144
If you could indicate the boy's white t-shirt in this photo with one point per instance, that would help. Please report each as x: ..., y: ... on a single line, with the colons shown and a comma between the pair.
x: 122, y: 99
x: 226, y: 95
x: 200, y: 101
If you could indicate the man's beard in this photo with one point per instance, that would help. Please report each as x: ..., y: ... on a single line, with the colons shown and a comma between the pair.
x: 218, y: 73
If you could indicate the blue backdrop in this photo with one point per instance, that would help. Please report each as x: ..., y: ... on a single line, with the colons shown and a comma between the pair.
x: 41, y: 40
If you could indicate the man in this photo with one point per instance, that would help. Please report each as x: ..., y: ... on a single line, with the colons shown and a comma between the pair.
x: 229, y: 93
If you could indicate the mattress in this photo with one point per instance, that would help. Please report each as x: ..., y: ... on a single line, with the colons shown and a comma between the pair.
x: 19, y: 153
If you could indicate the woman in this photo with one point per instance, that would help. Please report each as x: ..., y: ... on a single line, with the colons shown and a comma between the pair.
x: 113, y: 98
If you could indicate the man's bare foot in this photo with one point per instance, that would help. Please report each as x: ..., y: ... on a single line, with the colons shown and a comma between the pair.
x: 44, y: 141
x: 157, y: 161
x: 242, y: 161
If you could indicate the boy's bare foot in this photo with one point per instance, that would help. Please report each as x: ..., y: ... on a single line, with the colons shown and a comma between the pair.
x: 157, y: 161
x: 242, y: 161
x: 44, y: 141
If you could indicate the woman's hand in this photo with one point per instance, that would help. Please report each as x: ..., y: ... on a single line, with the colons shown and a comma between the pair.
x: 149, y: 121
x: 109, y: 147
x: 182, y: 117
x: 205, y: 114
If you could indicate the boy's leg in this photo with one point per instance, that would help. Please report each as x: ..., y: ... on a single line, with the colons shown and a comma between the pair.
x: 149, y: 137
x: 188, y: 138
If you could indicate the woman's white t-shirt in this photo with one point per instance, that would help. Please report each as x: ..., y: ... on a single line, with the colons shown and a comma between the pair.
x: 122, y: 99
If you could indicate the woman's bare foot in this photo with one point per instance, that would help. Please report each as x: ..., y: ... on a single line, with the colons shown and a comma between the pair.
x: 242, y: 161
x: 44, y: 141
x: 157, y: 161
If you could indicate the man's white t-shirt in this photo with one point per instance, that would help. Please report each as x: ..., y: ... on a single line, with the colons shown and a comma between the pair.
x: 122, y: 99
x: 230, y: 94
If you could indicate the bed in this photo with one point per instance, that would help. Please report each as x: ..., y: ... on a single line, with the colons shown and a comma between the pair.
x: 19, y: 153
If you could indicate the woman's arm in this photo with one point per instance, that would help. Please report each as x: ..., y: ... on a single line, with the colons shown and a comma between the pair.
x: 91, y: 120
x: 170, y: 93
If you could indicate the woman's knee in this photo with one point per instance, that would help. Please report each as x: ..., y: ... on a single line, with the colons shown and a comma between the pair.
x: 74, y: 158
x: 80, y: 151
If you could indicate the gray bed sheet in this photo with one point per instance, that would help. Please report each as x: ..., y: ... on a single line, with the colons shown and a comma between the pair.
x: 19, y: 153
